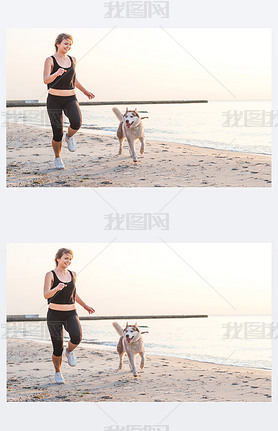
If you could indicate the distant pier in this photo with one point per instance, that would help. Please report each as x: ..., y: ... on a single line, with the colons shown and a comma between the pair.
x: 29, y: 103
x: 36, y: 318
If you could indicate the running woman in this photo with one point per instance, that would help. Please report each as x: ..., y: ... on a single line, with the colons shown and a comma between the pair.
x: 60, y: 77
x: 60, y: 291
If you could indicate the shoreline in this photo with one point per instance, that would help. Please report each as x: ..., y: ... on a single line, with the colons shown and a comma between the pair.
x: 30, y: 378
x: 86, y: 130
x: 96, y: 163
x: 95, y: 346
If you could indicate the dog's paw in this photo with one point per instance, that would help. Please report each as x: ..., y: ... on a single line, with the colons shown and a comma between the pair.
x: 135, y: 160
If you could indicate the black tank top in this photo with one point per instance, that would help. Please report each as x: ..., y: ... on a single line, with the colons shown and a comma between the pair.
x: 67, y: 294
x: 65, y: 81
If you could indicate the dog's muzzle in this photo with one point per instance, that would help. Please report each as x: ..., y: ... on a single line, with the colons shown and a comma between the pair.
x: 128, y: 124
x: 128, y: 339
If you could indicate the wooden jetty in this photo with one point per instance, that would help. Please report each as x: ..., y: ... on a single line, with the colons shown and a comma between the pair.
x: 32, y: 103
x: 36, y: 318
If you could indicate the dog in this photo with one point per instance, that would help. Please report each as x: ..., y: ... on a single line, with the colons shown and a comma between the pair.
x: 131, y: 128
x: 130, y: 342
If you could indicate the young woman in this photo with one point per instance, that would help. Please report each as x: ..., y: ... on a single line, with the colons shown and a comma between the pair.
x: 60, y: 291
x: 60, y: 77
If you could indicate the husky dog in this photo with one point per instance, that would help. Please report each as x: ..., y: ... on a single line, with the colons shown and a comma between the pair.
x: 131, y: 128
x: 131, y: 343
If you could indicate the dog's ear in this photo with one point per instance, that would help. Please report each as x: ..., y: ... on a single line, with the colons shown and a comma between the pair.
x: 135, y: 110
x: 126, y: 325
x: 126, y: 110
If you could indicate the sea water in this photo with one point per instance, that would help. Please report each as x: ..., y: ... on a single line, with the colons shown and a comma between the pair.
x: 231, y: 340
x: 243, y: 126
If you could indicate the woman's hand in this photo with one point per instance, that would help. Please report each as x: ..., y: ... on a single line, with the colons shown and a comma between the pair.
x: 60, y: 287
x: 60, y: 71
x: 89, y: 309
x: 89, y: 94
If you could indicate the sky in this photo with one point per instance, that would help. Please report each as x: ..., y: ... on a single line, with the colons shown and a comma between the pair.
x: 121, y: 279
x: 147, y: 64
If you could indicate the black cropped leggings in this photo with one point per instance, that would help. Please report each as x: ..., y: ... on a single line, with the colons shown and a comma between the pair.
x: 56, y: 105
x: 56, y: 320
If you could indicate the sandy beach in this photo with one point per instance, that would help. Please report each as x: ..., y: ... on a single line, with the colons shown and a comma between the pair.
x: 96, y: 163
x: 30, y: 378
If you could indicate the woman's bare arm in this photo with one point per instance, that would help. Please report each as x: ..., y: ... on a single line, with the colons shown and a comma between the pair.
x: 47, y: 77
x: 81, y: 88
x: 85, y: 306
x: 48, y: 281
x: 80, y: 301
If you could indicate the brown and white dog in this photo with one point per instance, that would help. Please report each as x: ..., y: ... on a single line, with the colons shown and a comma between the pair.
x: 131, y: 128
x: 130, y: 342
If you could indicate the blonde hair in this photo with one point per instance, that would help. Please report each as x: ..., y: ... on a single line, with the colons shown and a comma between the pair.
x: 60, y: 38
x: 61, y: 252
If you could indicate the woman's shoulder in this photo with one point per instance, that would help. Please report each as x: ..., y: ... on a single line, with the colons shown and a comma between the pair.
x: 49, y: 59
x: 49, y: 274
x: 74, y: 274
x: 73, y: 59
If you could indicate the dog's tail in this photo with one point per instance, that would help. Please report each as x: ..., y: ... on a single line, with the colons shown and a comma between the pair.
x: 118, y: 328
x: 118, y: 114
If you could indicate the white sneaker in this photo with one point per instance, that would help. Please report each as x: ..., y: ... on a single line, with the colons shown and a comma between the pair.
x: 59, y: 163
x: 71, y: 358
x: 59, y: 378
x: 70, y: 142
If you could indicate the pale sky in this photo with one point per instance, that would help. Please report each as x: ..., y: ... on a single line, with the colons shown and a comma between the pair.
x: 147, y: 64
x: 147, y: 278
